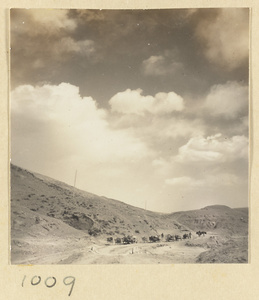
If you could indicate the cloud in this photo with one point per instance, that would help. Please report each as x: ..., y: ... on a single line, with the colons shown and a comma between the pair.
x: 36, y: 22
x: 42, y: 41
x: 177, y: 127
x: 53, y: 19
x: 55, y: 121
x: 213, y: 149
x: 184, y: 181
x: 158, y: 129
x: 226, y: 37
x: 69, y: 45
x: 228, y: 100
x: 159, y: 65
x: 132, y: 102
x: 159, y: 162
x: 223, y: 179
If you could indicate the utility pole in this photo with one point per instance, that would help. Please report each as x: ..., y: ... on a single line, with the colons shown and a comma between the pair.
x: 74, y: 185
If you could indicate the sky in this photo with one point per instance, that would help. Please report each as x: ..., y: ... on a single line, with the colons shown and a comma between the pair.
x: 150, y: 107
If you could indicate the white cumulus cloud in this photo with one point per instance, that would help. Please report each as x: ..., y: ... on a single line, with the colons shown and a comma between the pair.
x: 228, y: 100
x: 56, y: 121
x: 133, y: 102
x: 213, y: 149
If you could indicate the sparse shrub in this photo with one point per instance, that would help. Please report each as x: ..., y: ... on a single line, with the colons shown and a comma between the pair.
x: 51, y: 215
x: 94, y: 231
x: 110, y: 233
x: 105, y: 223
x: 137, y: 231
x: 75, y: 217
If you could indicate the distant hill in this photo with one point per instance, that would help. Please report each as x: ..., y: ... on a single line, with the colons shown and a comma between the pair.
x: 216, y: 218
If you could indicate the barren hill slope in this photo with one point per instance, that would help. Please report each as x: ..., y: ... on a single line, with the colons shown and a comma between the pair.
x: 81, y: 210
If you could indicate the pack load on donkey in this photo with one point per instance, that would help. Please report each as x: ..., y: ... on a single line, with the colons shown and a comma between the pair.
x: 154, y: 238
x: 201, y: 233
x: 129, y: 239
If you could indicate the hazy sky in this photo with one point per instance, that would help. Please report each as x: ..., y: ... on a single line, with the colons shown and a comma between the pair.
x: 149, y: 106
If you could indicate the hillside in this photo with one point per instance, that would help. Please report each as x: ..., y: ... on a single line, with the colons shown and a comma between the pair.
x: 216, y: 218
x: 50, y: 219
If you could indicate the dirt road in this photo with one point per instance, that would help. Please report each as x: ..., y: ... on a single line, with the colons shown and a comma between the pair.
x: 142, y: 253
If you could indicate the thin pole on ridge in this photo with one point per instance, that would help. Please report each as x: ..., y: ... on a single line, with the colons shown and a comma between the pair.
x: 74, y: 184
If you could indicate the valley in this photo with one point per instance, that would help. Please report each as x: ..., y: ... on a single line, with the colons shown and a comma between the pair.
x: 54, y: 223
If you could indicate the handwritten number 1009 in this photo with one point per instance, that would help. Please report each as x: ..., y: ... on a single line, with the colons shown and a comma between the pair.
x: 51, y: 281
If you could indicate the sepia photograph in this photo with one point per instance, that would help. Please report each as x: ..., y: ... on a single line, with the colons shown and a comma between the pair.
x: 129, y: 136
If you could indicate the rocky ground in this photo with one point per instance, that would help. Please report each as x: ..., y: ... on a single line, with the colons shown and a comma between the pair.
x: 53, y: 223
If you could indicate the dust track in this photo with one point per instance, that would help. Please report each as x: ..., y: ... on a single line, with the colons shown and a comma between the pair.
x: 144, y: 253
